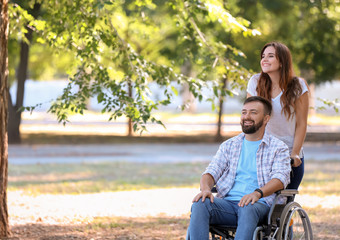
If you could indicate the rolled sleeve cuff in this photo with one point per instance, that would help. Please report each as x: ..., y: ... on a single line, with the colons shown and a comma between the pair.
x: 212, y: 173
x: 283, y: 178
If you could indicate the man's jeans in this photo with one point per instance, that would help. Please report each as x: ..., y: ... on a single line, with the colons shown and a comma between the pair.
x: 225, y: 212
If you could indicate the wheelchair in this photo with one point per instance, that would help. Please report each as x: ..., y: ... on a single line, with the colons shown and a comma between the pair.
x: 285, y: 222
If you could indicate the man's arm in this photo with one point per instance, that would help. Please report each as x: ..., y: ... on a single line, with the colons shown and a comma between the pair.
x: 207, y: 183
x: 268, y: 189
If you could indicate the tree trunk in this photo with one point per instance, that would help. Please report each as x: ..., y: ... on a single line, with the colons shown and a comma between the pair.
x: 219, y: 137
x: 188, y: 98
x: 14, y: 123
x: 129, y: 120
x: 14, y: 113
x: 4, y: 224
x: 312, y: 107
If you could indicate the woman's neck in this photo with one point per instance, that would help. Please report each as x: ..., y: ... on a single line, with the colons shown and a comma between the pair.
x: 275, y: 78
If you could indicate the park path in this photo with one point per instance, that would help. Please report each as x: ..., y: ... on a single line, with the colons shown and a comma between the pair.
x: 146, y: 152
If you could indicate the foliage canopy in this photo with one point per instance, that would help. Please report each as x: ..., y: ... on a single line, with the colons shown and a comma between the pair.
x: 123, y: 45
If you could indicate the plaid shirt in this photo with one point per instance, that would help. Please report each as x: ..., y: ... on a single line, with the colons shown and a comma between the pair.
x: 272, y: 157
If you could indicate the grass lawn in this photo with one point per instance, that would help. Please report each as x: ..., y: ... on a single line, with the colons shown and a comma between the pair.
x: 101, y: 177
x: 321, y: 178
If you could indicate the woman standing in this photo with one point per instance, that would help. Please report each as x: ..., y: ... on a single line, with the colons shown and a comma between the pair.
x: 289, y: 97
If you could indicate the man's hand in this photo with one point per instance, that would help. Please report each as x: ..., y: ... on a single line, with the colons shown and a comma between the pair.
x: 249, y: 198
x: 297, y: 160
x: 204, y: 195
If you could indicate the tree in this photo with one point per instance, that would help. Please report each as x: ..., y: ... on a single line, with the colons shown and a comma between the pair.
x: 150, y: 30
x: 317, y: 43
x: 4, y: 225
x: 109, y: 63
x: 28, y: 58
x: 14, y: 108
x: 314, y: 43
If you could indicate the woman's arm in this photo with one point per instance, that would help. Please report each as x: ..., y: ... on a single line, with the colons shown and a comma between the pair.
x: 301, y: 114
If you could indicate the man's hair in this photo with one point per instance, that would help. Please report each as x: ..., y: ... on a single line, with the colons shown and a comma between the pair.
x: 266, y: 104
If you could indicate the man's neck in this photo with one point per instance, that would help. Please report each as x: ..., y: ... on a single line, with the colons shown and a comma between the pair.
x: 255, y: 136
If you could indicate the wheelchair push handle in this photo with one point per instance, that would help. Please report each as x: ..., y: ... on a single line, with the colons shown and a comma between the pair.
x: 291, y: 165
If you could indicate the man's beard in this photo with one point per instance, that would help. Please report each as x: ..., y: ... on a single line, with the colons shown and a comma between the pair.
x: 251, y: 128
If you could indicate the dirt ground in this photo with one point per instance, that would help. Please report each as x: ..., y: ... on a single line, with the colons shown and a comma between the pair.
x: 105, y: 215
x: 134, y: 228
x: 127, y: 228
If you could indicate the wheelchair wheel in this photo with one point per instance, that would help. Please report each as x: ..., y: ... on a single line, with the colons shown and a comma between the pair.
x: 295, y: 223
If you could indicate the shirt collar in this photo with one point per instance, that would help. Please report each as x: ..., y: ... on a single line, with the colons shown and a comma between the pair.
x: 240, y: 137
x: 265, y: 139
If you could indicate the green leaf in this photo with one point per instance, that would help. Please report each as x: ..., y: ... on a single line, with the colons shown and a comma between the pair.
x: 100, y: 97
x: 174, y: 90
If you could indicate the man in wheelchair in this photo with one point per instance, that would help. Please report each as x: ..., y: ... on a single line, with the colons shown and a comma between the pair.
x: 247, y: 170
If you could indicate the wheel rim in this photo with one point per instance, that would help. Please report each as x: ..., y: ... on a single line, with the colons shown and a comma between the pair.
x: 295, y: 223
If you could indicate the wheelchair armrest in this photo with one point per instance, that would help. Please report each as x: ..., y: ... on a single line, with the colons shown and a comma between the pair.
x: 287, y: 192
x: 284, y: 192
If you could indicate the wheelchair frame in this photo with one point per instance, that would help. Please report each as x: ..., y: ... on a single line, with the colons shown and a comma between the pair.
x: 281, y: 222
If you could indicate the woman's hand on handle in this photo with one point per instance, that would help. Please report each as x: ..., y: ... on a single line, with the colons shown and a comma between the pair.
x: 296, y: 161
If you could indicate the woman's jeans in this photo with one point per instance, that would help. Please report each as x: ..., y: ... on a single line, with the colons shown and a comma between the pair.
x: 297, y: 175
x: 225, y: 212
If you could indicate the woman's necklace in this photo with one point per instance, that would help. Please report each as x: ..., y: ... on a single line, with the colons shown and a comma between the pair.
x: 274, y: 88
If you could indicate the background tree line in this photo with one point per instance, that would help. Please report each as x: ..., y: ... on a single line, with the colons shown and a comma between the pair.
x: 199, y: 40
x: 208, y: 41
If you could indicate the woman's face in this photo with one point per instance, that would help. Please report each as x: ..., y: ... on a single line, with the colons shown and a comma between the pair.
x: 269, y: 61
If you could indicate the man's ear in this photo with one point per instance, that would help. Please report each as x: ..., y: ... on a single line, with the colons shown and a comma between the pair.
x: 266, y: 118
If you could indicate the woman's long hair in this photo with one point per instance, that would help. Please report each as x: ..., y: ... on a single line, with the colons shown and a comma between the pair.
x: 289, y: 83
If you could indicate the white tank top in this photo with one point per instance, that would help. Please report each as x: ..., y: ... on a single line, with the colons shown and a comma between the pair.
x: 278, y: 124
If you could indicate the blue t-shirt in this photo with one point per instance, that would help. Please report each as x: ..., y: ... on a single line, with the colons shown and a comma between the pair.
x: 246, y: 172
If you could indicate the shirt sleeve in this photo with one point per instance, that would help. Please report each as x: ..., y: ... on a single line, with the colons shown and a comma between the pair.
x: 281, y: 166
x: 219, y: 163
x: 303, y: 86
x: 252, y: 84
